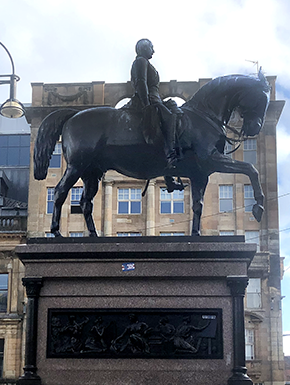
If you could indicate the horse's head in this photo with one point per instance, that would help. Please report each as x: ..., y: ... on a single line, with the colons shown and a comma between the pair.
x: 252, y: 105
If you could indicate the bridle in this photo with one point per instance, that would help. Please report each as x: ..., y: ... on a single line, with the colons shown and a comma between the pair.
x: 220, y: 126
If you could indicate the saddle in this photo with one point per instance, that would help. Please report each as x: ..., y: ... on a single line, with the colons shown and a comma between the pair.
x: 150, y: 121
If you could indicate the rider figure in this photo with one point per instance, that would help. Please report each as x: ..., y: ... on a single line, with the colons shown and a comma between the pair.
x: 145, y: 80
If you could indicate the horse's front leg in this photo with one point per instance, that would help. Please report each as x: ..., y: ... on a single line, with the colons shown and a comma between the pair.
x: 198, y: 186
x: 222, y: 163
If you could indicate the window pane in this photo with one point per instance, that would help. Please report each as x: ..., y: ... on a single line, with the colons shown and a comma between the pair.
x: 178, y: 207
x: 165, y: 208
x: 13, y: 141
x: 24, y: 156
x: 76, y: 234
x: 123, y: 193
x: 135, y: 207
x: 123, y: 208
x: 55, y: 161
x: 3, y: 140
x: 226, y: 205
x: 3, y: 156
x: 13, y: 156
x: 3, y: 281
x: 136, y: 193
x: 224, y: 233
x: 253, y: 237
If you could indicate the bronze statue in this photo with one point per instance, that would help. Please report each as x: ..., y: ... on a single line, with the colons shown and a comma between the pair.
x: 105, y: 138
x: 145, y: 80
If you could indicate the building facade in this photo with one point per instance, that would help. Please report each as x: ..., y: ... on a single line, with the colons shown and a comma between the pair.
x: 14, y: 177
x: 120, y: 209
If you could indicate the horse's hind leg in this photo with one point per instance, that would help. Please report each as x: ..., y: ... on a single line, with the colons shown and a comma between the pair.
x: 91, y: 186
x: 69, y: 178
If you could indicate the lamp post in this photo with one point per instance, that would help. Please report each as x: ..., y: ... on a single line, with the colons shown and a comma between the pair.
x: 12, y: 108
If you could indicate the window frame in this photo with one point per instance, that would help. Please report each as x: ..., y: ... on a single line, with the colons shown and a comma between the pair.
x: 250, y: 151
x: 254, y: 238
x: 4, y: 294
x: 250, y: 342
x: 22, y: 159
x: 56, y: 156
x: 225, y: 198
x: 49, y: 200
x: 129, y: 198
x: 172, y: 201
x: 75, y: 198
x: 254, y: 294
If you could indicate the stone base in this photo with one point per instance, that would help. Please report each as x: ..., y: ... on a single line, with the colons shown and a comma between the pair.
x: 154, y: 273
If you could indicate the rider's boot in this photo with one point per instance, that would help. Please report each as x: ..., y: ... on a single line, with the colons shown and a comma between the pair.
x: 172, y: 185
x: 170, y: 150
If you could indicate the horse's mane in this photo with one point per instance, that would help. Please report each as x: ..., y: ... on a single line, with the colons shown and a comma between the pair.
x: 220, y: 86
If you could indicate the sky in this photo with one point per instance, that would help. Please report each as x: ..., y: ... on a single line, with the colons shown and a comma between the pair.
x: 83, y: 41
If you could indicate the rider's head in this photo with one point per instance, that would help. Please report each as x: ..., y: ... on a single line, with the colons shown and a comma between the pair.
x: 144, y: 48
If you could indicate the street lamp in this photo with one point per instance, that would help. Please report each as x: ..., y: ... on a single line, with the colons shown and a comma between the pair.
x: 12, y: 108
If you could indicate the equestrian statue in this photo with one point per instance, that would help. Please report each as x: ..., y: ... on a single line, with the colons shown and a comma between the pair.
x: 149, y: 138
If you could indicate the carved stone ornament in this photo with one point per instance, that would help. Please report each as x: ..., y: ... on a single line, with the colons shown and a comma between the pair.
x: 135, y: 333
x: 32, y: 285
x: 237, y: 284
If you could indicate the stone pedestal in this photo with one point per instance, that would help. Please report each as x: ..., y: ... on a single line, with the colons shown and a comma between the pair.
x: 146, y: 310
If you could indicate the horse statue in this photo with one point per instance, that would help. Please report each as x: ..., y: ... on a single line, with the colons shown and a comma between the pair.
x: 104, y: 138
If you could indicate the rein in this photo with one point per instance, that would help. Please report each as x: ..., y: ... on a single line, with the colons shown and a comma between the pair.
x: 220, y: 127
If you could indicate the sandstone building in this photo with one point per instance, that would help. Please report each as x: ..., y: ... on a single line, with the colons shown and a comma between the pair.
x: 119, y: 209
x: 14, y: 177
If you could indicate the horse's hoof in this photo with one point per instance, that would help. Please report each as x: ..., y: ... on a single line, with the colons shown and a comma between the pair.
x: 93, y: 234
x: 258, y: 212
x: 195, y: 233
x: 57, y: 234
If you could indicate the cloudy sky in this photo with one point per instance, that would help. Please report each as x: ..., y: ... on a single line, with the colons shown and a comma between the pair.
x: 92, y: 40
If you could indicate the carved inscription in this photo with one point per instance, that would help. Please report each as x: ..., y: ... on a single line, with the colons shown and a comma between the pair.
x: 135, y: 333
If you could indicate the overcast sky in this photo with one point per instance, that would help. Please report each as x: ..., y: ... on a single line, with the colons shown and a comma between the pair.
x: 90, y: 40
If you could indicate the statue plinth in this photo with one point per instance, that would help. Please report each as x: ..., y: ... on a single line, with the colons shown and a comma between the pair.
x: 141, y: 310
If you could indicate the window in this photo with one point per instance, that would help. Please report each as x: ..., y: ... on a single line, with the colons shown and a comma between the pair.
x: 55, y: 160
x: 249, y: 199
x: 75, y: 234
x: 14, y: 150
x: 3, y: 292
x: 225, y: 233
x: 50, y: 200
x: 253, y: 237
x: 250, y: 151
x: 253, y: 294
x: 129, y: 234
x: 1, y: 356
x: 129, y: 201
x: 171, y: 234
x: 171, y: 203
x: 76, y: 194
x: 49, y: 235
x: 228, y: 148
x: 226, y: 198
x: 250, y: 340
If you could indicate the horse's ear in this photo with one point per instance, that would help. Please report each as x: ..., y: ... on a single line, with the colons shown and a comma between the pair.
x: 263, y: 80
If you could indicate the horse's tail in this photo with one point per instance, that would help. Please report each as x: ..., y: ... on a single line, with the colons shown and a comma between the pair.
x: 48, y: 134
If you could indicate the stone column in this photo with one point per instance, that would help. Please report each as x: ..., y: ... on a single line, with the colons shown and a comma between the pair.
x: 238, y: 286
x: 108, y: 215
x: 33, y: 286
x: 150, y: 214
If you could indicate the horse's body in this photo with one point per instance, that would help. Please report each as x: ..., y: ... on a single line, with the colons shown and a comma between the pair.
x: 103, y: 138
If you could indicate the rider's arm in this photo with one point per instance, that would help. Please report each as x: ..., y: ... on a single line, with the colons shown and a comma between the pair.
x: 139, y: 74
